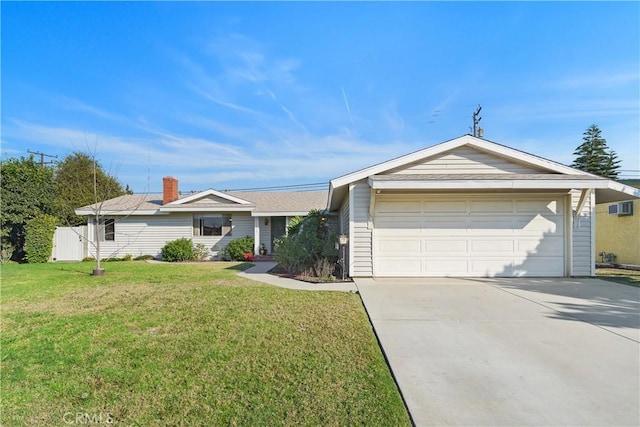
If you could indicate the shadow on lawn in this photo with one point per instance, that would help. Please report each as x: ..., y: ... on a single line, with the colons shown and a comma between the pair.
x: 614, y: 305
x: 240, y: 267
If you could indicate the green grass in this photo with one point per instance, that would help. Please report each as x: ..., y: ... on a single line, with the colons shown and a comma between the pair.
x: 186, y: 344
x: 618, y: 275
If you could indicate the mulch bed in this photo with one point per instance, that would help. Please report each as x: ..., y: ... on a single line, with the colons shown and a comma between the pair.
x: 281, y: 272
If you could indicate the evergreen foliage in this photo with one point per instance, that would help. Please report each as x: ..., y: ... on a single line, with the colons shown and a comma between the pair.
x: 178, y: 250
x: 26, y: 190
x: 238, y: 247
x: 39, y: 232
x: 309, y: 246
x: 76, y: 187
x: 594, y: 156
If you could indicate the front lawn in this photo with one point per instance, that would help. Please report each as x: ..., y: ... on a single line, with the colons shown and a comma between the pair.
x: 618, y: 275
x: 185, y: 344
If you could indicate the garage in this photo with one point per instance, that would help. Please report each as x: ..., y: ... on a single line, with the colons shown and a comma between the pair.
x: 469, y: 235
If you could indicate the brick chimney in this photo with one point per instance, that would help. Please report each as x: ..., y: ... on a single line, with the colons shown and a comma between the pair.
x: 169, y: 189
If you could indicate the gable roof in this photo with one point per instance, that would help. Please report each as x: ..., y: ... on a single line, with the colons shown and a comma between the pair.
x: 290, y: 203
x: 564, y: 176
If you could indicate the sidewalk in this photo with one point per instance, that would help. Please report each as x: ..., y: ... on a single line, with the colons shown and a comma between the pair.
x: 259, y: 273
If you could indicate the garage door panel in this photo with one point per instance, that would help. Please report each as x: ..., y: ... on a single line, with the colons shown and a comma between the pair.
x: 399, y: 246
x: 445, y: 267
x: 400, y: 267
x: 492, y: 246
x: 470, y: 236
x: 491, y: 206
x: 393, y: 207
x: 548, y: 246
x: 539, y: 206
x: 449, y: 206
x: 448, y: 247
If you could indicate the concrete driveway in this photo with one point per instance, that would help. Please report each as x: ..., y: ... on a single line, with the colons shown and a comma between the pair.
x: 511, y: 352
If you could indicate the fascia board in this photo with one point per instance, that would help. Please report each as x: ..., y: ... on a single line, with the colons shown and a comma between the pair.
x: 486, y: 184
x: 209, y: 192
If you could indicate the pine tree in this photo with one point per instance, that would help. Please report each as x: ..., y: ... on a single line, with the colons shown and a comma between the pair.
x: 594, y: 156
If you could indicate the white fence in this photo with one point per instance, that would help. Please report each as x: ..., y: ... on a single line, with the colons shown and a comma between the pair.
x: 70, y: 243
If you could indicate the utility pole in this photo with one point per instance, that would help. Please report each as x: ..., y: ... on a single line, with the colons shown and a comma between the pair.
x: 477, y: 131
x: 42, y: 156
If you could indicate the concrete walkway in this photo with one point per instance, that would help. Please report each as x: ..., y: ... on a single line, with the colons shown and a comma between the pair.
x: 259, y: 273
x: 512, y: 352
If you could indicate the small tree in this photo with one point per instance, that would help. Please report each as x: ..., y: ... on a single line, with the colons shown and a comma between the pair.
x: 594, y: 156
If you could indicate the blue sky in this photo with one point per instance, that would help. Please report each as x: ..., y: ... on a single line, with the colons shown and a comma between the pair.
x: 241, y: 95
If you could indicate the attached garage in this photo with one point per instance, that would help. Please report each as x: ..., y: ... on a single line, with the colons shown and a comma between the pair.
x: 470, y: 208
x: 469, y: 235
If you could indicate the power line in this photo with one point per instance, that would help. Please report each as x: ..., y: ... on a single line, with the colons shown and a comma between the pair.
x: 298, y: 187
x: 42, y: 156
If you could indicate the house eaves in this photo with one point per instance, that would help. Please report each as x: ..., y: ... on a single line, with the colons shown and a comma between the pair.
x: 337, y: 185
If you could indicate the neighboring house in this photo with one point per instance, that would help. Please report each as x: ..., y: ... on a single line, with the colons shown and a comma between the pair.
x: 143, y: 224
x: 470, y: 207
x: 618, y: 230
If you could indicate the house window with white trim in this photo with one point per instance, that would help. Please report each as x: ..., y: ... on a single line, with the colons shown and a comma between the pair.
x: 212, y: 225
x: 107, y: 229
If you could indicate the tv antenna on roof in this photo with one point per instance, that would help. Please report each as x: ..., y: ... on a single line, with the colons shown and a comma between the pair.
x: 477, y: 130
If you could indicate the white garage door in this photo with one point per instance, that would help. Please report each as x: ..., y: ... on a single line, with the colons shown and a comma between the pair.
x: 473, y: 236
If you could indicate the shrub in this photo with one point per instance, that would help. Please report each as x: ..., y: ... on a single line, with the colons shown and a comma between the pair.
x: 309, y: 247
x: 88, y: 259
x: 238, y: 247
x: 127, y: 257
x: 248, y: 257
x: 144, y: 257
x: 38, y: 241
x: 200, y: 251
x: 178, y: 250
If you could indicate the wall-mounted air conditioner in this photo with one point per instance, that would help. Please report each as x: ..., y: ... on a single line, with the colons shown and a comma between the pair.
x: 621, y: 209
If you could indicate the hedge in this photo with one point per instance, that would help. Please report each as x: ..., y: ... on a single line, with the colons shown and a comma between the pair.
x: 38, y: 241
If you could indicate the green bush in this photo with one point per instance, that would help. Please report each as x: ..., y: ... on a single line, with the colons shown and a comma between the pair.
x: 238, y: 247
x: 127, y: 257
x: 144, y: 257
x: 178, y: 250
x: 309, y: 247
x: 200, y: 251
x: 38, y: 241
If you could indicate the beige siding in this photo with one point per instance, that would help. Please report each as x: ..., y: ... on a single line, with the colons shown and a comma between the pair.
x: 361, y: 235
x: 583, y: 262
x: 463, y: 160
x: 143, y: 235
x: 344, y: 229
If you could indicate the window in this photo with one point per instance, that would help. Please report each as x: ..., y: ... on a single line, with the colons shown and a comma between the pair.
x: 212, y: 225
x: 107, y: 229
x: 626, y: 208
x: 621, y: 209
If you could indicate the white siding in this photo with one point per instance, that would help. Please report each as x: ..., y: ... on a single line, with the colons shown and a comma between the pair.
x: 241, y: 226
x: 463, y: 160
x: 582, y: 245
x: 146, y: 235
x: 344, y: 229
x: 362, y: 264
x: 143, y: 235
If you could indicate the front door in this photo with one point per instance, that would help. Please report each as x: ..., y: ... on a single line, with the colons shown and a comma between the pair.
x: 278, y: 228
